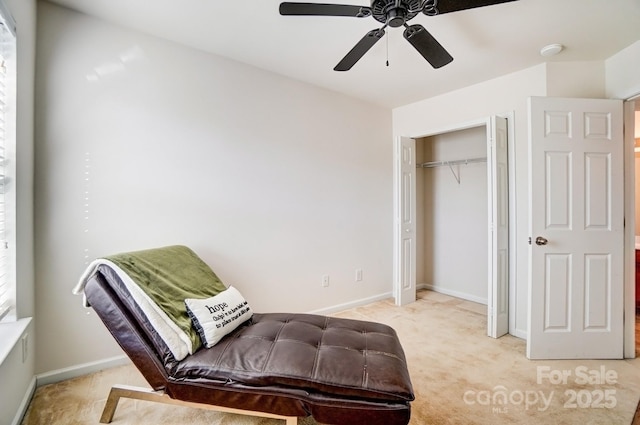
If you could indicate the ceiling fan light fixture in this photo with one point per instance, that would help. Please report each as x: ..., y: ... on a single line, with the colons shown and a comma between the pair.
x: 551, y: 49
x: 392, y: 14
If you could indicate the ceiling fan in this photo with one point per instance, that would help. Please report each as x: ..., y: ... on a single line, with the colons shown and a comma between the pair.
x: 391, y: 13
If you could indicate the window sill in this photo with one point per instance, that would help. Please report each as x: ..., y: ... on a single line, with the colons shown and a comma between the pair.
x: 10, y: 334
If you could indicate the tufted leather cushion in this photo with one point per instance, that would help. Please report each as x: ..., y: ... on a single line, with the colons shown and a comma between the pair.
x: 355, y: 374
x: 309, y: 352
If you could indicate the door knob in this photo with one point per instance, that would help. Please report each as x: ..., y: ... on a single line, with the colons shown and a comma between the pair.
x: 541, y: 241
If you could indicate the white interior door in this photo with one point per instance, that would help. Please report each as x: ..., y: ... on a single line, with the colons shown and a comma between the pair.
x: 498, y: 175
x: 405, y: 226
x: 577, y: 236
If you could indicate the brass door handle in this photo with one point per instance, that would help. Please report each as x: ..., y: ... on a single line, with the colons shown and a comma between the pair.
x: 541, y: 241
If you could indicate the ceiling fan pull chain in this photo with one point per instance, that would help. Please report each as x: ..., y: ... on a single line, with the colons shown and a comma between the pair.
x: 387, y: 50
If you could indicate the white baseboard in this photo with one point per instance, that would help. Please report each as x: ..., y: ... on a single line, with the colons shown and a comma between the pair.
x: 80, y: 370
x: 352, y: 304
x: 456, y: 294
x: 24, y: 405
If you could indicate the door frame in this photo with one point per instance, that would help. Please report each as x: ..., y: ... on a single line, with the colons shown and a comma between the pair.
x: 486, y: 122
x: 630, y: 105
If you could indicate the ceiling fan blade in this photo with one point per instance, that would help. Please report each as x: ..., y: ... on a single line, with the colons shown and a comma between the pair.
x: 427, y: 45
x: 322, y: 9
x: 359, y: 50
x: 448, y: 6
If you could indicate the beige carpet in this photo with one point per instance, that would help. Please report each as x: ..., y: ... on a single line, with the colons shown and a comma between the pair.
x: 458, y: 374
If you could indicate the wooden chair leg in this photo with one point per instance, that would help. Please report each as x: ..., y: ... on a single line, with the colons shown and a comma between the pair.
x: 119, y: 391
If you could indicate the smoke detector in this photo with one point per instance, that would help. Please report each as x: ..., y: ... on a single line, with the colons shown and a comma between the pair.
x: 551, y: 49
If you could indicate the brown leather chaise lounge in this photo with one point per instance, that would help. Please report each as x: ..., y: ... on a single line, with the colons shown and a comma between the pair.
x: 276, y: 365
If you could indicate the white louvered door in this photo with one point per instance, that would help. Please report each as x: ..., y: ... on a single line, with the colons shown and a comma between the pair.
x: 405, y: 226
x: 498, y: 174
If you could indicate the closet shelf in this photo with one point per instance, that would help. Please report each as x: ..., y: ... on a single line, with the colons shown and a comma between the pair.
x: 451, y: 164
x: 454, y: 162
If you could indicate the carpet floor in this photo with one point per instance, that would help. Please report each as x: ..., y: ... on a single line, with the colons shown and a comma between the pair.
x: 460, y: 376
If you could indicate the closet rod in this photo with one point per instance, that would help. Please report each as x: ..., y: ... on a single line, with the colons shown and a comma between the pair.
x: 455, y: 162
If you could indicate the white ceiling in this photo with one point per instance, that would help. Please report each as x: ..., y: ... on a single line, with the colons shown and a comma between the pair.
x: 485, y: 42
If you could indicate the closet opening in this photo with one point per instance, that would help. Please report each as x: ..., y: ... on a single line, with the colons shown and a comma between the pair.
x: 452, y: 241
x: 452, y: 213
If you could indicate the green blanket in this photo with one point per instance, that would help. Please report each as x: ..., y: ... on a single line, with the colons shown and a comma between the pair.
x: 168, y: 276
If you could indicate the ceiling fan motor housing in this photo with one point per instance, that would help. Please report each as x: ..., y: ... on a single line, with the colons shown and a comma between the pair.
x: 387, y: 12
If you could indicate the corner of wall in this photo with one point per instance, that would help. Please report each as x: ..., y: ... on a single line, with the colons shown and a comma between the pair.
x: 622, y: 79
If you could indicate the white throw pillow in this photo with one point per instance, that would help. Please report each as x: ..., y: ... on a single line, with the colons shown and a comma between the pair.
x: 219, y: 315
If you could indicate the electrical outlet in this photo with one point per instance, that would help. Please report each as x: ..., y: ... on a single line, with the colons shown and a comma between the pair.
x: 325, y: 280
x: 358, y: 275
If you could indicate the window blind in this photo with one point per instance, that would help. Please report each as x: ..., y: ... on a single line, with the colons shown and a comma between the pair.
x: 7, y: 50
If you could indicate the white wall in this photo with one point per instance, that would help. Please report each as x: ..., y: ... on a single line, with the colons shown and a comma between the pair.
x: 16, y: 372
x: 622, y: 73
x: 17, y: 381
x: 454, y: 215
x: 499, y: 96
x: 273, y: 182
x: 576, y: 79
